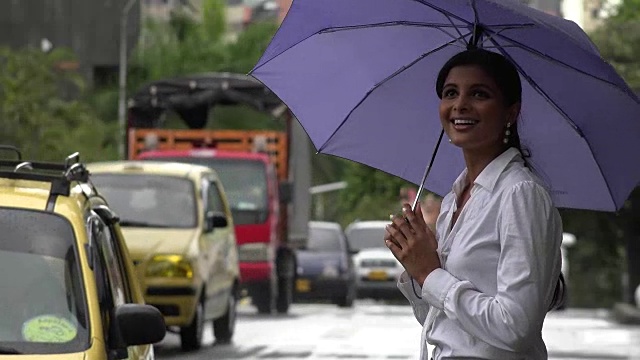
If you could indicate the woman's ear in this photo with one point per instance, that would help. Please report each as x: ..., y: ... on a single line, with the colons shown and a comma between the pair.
x: 514, y: 111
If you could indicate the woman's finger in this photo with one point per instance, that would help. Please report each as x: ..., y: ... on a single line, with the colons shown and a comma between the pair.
x: 395, y: 250
x: 397, y: 236
x: 419, y: 216
x: 403, y: 225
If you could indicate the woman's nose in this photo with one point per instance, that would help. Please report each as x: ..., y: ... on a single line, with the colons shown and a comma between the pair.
x: 461, y: 104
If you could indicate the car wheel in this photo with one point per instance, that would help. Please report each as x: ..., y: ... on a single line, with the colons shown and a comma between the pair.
x: 224, y: 327
x: 262, y: 298
x: 191, y: 336
x: 349, y: 297
x: 285, y: 294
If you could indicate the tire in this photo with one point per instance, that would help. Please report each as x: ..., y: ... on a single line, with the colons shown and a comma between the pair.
x: 224, y: 327
x: 285, y: 295
x: 347, y: 300
x: 262, y: 298
x: 191, y: 336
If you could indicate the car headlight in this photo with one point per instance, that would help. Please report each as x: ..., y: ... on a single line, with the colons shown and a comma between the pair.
x: 330, y: 271
x: 169, y: 266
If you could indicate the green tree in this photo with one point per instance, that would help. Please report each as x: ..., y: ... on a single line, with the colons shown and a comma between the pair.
x: 37, y: 119
x: 605, y: 239
x: 618, y: 40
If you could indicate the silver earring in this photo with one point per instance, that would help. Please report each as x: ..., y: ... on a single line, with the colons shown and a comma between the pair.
x: 507, y: 132
x: 449, y: 139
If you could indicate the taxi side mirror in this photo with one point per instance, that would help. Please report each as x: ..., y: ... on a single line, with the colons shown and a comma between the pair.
x: 140, y: 324
x: 215, y: 220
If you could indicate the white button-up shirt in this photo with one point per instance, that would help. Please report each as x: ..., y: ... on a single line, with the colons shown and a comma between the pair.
x: 500, y: 264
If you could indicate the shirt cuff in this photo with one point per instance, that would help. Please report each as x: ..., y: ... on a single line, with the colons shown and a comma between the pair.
x: 436, y: 286
x: 405, y: 286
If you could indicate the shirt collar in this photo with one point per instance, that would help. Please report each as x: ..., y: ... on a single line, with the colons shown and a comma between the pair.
x: 490, y: 174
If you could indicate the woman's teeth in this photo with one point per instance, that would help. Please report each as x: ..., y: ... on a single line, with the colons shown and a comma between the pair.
x: 464, y: 122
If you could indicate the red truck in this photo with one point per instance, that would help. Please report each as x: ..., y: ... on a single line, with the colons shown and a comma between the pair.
x: 265, y: 173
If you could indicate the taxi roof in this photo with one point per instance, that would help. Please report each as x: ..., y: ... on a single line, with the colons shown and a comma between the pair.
x: 150, y: 167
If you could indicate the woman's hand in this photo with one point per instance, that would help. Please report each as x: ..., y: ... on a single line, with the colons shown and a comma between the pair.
x: 413, y: 243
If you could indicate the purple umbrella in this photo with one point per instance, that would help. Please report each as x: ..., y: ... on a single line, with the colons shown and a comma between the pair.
x: 359, y: 75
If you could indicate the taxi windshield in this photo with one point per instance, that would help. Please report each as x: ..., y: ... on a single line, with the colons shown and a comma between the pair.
x: 149, y: 200
x: 42, y: 303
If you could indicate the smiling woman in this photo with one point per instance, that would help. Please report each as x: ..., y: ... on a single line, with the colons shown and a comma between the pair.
x: 482, y: 284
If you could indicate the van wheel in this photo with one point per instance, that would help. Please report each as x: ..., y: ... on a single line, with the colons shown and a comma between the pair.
x: 191, y: 336
x: 224, y: 327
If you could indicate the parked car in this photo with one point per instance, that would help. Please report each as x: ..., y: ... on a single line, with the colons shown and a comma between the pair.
x: 178, y: 226
x: 69, y: 289
x: 325, y: 269
x: 377, y: 270
x: 568, y: 240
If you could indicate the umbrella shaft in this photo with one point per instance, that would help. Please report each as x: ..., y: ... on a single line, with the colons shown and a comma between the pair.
x: 426, y: 172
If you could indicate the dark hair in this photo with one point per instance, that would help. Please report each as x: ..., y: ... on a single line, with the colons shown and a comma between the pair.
x: 500, y: 69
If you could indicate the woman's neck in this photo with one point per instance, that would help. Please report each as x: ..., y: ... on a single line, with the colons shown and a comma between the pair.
x: 476, y: 160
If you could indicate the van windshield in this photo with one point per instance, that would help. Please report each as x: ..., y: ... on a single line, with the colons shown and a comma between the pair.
x: 149, y: 200
x: 244, y: 182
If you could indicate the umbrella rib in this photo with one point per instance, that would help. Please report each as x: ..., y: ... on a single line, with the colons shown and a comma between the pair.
x: 549, y: 58
x: 538, y: 88
x: 396, y: 23
x: 384, y: 24
x: 444, y: 12
x: 382, y: 82
x: 564, y: 115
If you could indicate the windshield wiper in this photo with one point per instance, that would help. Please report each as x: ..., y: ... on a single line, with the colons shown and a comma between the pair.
x: 9, y: 350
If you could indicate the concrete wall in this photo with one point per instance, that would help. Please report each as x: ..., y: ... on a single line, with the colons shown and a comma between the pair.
x: 90, y: 28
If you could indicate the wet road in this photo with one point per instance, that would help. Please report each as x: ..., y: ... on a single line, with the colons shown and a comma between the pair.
x: 373, y: 330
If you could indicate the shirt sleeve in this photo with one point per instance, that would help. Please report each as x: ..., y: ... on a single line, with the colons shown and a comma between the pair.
x: 420, y: 307
x: 530, y: 232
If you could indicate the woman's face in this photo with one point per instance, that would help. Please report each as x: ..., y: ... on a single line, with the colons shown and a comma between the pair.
x: 473, y: 111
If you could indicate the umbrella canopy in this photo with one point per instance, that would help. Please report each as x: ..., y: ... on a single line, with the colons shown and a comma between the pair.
x: 360, y: 77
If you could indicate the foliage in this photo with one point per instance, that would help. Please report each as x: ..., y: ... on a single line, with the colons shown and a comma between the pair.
x: 606, y: 240
x: 618, y: 40
x: 37, y: 119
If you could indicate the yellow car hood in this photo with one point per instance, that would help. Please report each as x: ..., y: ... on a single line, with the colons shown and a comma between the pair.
x: 143, y: 243
x: 74, y: 356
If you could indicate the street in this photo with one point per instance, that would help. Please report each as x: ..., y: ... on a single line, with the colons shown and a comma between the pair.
x: 374, y: 330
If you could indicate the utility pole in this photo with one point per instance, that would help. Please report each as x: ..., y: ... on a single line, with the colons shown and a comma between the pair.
x: 122, y: 93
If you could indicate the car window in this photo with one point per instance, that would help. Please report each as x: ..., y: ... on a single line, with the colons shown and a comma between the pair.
x: 365, y: 238
x: 324, y: 240
x: 149, y: 200
x: 42, y: 300
x: 245, y: 184
x: 113, y: 289
x: 214, y: 199
x: 112, y: 258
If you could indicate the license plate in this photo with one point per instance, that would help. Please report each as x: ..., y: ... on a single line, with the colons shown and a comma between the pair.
x: 378, y: 275
x: 303, y: 285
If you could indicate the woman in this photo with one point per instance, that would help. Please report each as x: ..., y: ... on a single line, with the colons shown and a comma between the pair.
x: 483, y: 283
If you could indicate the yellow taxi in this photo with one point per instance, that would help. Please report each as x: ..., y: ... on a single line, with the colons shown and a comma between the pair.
x: 68, y: 287
x: 179, y: 229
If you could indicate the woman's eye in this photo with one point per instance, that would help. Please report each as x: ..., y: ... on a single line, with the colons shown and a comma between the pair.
x: 481, y: 94
x: 449, y: 93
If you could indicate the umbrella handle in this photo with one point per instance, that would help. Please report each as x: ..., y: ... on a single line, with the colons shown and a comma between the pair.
x: 426, y: 172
